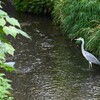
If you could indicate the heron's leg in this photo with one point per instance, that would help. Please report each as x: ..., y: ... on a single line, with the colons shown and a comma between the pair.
x: 90, y: 65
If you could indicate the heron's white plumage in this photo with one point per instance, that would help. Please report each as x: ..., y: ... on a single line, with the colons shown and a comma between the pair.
x: 89, y: 57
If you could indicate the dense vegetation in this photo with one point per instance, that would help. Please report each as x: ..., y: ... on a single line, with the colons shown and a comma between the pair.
x: 8, y: 26
x: 80, y: 18
x: 77, y: 18
x: 34, y: 6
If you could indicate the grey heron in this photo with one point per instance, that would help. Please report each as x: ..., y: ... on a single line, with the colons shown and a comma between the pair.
x: 88, y: 56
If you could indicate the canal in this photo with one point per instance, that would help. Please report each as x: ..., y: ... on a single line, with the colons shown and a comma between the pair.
x: 49, y: 67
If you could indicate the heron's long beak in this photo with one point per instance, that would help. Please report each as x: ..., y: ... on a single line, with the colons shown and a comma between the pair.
x: 76, y: 39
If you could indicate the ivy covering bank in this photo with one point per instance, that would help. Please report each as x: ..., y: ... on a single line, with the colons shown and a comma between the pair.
x: 77, y: 18
x: 8, y: 26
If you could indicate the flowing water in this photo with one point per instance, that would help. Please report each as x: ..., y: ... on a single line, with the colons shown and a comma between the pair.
x: 49, y: 67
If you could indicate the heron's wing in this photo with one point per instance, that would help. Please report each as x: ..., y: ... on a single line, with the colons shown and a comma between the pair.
x: 91, y: 58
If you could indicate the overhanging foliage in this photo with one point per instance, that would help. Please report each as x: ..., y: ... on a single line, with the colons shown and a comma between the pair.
x: 8, y: 26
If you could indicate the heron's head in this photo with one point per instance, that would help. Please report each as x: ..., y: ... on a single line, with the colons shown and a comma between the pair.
x: 79, y: 39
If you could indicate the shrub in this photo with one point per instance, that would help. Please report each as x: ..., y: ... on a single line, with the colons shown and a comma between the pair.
x: 4, y: 88
x: 8, y: 26
x: 34, y: 6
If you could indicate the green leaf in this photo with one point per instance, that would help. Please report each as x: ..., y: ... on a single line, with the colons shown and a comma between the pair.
x: 2, y: 13
x: 2, y: 22
x: 13, y: 21
x: 0, y: 6
x: 24, y: 33
x: 2, y: 74
x: 2, y: 37
x: 9, y: 48
x: 8, y: 66
x: 2, y: 57
x: 6, y: 48
x: 6, y: 30
x: 10, y: 30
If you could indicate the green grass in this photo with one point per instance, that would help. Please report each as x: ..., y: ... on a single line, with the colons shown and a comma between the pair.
x: 80, y: 18
x: 34, y: 6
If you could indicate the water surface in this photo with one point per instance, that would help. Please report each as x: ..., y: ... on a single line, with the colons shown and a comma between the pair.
x: 50, y: 67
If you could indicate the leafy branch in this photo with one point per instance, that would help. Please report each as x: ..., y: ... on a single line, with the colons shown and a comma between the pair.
x: 8, y: 26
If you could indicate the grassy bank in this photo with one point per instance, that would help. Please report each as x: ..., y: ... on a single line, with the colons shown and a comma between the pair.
x: 80, y: 18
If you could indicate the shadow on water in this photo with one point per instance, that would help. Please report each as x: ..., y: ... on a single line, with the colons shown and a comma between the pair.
x: 49, y: 67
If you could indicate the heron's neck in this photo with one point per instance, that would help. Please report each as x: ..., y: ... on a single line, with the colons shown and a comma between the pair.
x: 82, y: 46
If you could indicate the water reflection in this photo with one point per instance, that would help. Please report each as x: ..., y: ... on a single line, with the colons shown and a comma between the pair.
x: 49, y: 67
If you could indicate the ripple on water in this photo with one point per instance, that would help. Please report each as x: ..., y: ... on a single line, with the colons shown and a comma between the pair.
x: 50, y: 67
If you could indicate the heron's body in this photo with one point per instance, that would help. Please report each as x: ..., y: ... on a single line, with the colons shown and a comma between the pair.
x: 89, y: 57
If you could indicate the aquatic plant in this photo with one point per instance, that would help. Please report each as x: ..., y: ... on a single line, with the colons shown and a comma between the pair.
x: 34, y: 6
